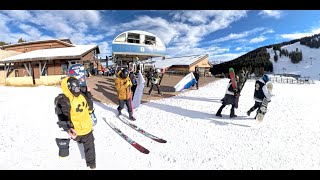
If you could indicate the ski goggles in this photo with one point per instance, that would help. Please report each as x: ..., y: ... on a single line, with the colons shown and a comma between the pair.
x: 75, y: 89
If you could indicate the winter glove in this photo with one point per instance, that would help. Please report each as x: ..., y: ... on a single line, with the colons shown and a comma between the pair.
x: 63, y: 145
x: 65, y: 125
x: 128, y: 83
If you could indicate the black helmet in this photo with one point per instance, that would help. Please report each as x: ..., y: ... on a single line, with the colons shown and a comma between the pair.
x: 74, y: 86
x: 124, y: 73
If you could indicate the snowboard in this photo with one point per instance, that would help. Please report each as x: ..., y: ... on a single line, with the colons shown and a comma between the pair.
x: 78, y: 71
x: 242, y: 80
x: 233, y: 78
x: 263, y: 109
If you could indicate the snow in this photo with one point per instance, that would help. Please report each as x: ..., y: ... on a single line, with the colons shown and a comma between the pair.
x: 54, y: 52
x: 185, y: 60
x: 288, y: 138
x: 308, y: 67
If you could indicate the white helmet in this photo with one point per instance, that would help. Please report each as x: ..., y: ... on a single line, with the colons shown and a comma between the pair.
x: 158, y: 70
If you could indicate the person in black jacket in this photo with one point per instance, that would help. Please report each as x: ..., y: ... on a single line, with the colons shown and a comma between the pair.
x: 149, y: 76
x: 229, y: 98
x: 196, y: 75
x: 260, y: 92
x: 73, y: 109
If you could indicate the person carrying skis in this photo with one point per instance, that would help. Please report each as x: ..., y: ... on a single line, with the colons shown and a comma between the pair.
x: 123, y: 86
x: 260, y: 92
x: 229, y: 98
x: 73, y: 109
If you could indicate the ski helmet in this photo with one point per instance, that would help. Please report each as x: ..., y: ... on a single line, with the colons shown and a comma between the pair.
x: 124, y: 73
x: 74, y: 86
x: 265, y: 78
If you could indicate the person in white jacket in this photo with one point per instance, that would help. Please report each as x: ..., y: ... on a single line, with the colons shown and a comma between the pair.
x: 260, y: 92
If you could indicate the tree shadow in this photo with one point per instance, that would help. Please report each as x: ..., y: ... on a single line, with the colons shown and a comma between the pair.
x: 191, y: 114
x: 103, y: 106
x: 111, y: 94
x: 199, y: 98
x: 108, y: 83
x: 241, y: 118
x: 180, y: 111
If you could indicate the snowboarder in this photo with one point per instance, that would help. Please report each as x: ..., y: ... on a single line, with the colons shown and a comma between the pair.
x: 229, y: 98
x: 155, y: 81
x: 123, y: 85
x: 73, y: 109
x: 260, y: 92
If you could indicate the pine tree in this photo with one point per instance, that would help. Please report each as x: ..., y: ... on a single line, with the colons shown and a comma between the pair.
x: 2, y: 43
x: 21, y: 40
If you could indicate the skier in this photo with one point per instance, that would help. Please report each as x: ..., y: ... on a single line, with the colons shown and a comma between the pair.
x: 229, y: 98
x: 73, y: 109
x: 123, y: 85
x: 155, y: 81
x: 260, y: 92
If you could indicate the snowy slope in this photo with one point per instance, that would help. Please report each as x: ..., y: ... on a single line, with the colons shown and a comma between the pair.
x: 308, y: 67
x: 289, y: 138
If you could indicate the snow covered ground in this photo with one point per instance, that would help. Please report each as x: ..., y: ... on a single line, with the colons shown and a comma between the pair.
x: 288, y: 138
x: 308, y: 67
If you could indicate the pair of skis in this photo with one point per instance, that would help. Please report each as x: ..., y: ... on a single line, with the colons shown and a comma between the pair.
x: 129, y: 140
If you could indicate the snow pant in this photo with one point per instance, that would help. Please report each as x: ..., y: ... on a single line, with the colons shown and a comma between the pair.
x: 121, y: 106
x: 255, y: 106
x: 148, y: 81
x: 197, y: 83
x: 221, y: 108
x: 89, y: 149
x: 156, y: 86
x: 133, y: 89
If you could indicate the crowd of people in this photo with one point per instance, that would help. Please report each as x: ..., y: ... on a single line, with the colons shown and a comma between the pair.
x: 74, y: 106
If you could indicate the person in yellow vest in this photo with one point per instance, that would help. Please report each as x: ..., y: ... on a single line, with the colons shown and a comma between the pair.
x: 123, y: 86
x: 73, y: 109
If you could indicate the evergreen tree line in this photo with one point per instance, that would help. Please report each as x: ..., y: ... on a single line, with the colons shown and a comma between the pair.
x: 295, y: 56
x: 311, y: 41
x: 2, y: 43
x: 256, y: 61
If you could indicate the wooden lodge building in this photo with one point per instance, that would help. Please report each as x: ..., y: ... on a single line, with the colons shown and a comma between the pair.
x: 45, y: 62
x: 186, y: 64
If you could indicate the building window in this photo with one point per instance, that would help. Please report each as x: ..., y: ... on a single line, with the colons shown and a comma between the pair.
x: 150, y: 40
x: 121, y: 38
x: 133, y: 38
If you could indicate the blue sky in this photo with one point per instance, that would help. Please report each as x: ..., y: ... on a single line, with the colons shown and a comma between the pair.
x: 224, y: 35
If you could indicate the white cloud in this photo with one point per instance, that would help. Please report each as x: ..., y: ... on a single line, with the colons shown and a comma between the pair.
x: 33, y: 32
x: 105, y: 50
x: 257, y: 39
x: 271, y: 13
x: 298, y: 35
x: 238, y: 48
x: 233, y: 36
x: 61, y: 23
x: 178, y: 32
x: 19, y: 15
x: 225, y: 57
